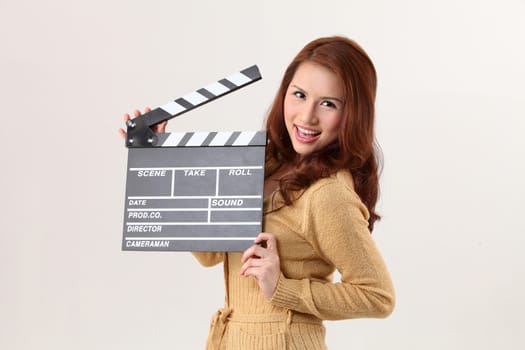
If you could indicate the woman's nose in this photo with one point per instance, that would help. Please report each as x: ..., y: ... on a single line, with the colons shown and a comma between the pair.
x: 308, y: 114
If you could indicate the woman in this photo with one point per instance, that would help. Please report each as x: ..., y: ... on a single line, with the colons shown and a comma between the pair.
x: 321, y: 187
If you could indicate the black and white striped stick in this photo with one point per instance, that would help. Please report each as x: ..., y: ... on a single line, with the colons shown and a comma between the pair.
x: 212, y: 139
x: 139, y: 133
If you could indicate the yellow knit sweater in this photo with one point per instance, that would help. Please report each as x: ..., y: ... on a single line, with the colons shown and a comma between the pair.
x: 325, y: 229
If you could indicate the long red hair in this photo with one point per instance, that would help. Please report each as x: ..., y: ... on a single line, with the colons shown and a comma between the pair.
x: 355, y: 149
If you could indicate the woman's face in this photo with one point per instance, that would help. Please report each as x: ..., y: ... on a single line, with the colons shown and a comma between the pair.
x: 313, y: 108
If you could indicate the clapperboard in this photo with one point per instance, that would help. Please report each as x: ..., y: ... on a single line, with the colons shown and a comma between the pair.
x: 193, y: 191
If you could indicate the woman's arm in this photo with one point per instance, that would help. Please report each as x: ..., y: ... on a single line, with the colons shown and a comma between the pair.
x: 337, y: 227
x: 208, y: 259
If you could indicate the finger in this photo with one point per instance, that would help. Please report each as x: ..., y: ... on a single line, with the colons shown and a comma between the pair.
x: 250, y: 271
x: 137, y: 113
x: 261, y: 244
x: 258, y: 252
x: 163, y: 125
x: 250, y: 264
x: 244, y: 268
x: 147, y: 110
x: 160, y: 127
x: 126, y: 117
x: 248, y: 253
x: 269, y: 238
x: 122, y: 133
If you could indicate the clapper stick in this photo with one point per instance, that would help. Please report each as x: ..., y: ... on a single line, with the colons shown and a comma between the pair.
x: 139, y: 133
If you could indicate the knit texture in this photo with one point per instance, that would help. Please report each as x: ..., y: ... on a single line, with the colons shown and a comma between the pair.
x: 325, y: 229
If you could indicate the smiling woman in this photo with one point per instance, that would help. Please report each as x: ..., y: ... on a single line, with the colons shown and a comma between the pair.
x: 320, y: 191
x: 321, y: 186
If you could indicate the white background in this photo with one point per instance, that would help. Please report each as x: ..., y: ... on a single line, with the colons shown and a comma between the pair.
x: 451, y: 110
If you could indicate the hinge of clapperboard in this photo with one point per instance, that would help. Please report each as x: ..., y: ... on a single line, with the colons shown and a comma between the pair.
x: 139, y: 133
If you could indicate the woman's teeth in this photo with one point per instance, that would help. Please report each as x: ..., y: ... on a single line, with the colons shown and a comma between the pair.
x: 307, y: 132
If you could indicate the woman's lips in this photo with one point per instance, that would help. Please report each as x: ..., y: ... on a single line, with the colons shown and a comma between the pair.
x: 305, y: 135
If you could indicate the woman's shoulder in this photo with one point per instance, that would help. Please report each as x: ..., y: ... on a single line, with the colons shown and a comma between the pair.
x: 334, y: 190
x: 335, y: 197
x: 341, y: 181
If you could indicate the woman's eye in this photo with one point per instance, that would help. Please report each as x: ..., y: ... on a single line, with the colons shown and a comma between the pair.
x: 299, y: 94
x: 329, y: 104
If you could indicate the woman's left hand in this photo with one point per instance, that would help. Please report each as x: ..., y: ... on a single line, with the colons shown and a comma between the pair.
x: 263, y: 263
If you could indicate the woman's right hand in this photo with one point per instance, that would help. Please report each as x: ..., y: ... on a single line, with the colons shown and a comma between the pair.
x: 158, y: 128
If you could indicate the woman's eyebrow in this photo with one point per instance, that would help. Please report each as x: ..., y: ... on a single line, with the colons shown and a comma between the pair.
x: 297, y: 87
x: 333, y: 98
x: 322, y: 97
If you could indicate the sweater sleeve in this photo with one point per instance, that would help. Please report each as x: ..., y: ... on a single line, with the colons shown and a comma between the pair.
x: 209, y: 259
x: 336, y: 224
